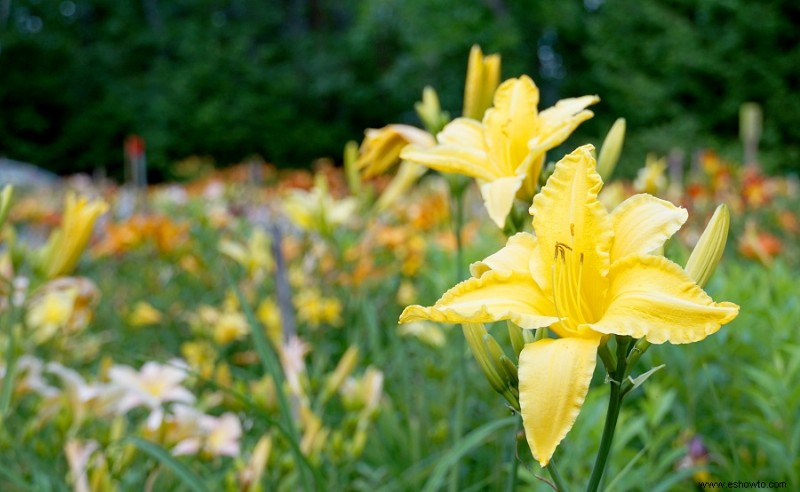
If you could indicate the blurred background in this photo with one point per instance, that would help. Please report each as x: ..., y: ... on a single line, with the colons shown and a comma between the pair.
x: 289, y: 81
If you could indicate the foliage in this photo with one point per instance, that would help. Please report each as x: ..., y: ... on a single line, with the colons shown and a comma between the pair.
x: 290, y: 81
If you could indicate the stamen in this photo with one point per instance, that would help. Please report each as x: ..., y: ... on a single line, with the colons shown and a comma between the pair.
x: 555, y: 291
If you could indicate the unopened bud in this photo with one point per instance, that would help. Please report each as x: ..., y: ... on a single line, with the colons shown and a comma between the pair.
x: 483, y: 77
x: 5, y: 203
x: 708, y: 251
x: 474, y: 333
x: 505, y: 368
x: 516, y: 336
x: 496, y: 356
x: 611, y: 149
x: 511, y: 370
x: 430, y: 111
x: 350, y: 168
x: 750, y: 120
x: 346, y: 365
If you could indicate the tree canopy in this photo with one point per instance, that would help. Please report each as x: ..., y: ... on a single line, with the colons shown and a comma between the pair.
x: 293, y: 80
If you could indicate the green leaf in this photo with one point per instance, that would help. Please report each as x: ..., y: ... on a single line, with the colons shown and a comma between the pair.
x: 187, y: 476
x: 465, y: 445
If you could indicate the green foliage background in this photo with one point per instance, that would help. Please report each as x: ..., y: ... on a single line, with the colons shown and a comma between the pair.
x: 292, y: 80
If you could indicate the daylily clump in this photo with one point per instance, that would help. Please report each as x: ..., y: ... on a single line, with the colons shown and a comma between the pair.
x: 586, y: 274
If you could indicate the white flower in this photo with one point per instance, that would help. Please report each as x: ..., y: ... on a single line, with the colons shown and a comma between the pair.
x: 153, y: 385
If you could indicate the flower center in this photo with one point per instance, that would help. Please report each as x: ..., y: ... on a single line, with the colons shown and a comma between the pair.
x: 568, y: 298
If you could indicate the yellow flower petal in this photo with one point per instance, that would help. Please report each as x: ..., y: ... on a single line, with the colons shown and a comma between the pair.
x: 450, y: 159
x: 513, y: 257
x: 498, y: 196
x: 407, y: 174
x: 568, y: 218
x: 463, y: 132
x: 554, y: 377
x: 653, y: 298
x: 642, y: 224
x: 381, y: 148
x: 558, y: 122
x: 493, y: 297
x: 510, y: 124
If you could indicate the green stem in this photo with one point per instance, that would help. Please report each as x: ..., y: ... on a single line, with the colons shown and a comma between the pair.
x: 457, y: 193
x: 511, y: 482
x: 557, y: 480
x: 13, y: 316
x: 612, y: 415
x: 458, y: 226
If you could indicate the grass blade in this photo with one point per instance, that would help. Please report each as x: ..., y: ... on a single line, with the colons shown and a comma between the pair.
x: 465, y: 445
x: 187, y: 476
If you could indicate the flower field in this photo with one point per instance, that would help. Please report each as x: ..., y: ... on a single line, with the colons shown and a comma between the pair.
x: 239, y: 330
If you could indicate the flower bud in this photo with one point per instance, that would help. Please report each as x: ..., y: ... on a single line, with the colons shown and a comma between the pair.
x: 611, y: 149
x: 496, y: 356
x: 483, y: 77
x: 750, y: 122
x: 474, y: 333
x: 5, y: 203
x: 430, y: 111
x: 516, y: 336
x: 346, y: 365
x: 350, y: 167
x: 708, y: 251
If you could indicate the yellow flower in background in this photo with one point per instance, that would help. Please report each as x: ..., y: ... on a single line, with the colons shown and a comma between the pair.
x: 50, y: 313
x: 144, y: 314
x: 64, y: 304
x: 586, y: 273
x: 507, y: 149
x: 652, y: 178
x: 425, y: 331
x: 317, y: 210
x: 483, y: 76
x: 255, y: 256
x: 315, y: 309
x: 381, y: 148
x: 65, y: 245
x: 229, y: 327
x: 269, y: 315
x: 201, y: 356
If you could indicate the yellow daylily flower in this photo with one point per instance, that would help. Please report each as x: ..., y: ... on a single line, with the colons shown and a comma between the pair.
x: 65, y: 244
x: 143, y: 314
x: 381, y: 147
x: 506, y: 149
x: 586, y: 273
x: 652, y: 178
x: 316, y: 210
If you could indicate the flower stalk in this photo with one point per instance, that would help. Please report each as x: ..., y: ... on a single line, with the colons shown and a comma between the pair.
x: 612, y: 415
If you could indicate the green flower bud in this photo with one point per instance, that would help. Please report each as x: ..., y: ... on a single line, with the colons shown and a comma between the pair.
x: 611, y: 149
x: 5, y: 203
x: 708, y: 251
